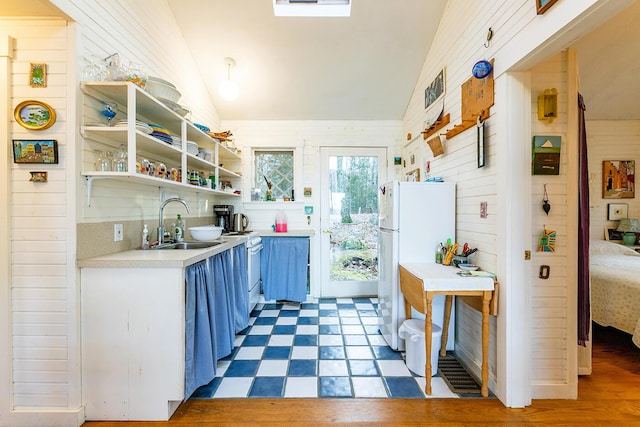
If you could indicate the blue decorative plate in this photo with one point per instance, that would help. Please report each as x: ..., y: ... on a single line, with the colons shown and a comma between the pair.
x: 481, y: 69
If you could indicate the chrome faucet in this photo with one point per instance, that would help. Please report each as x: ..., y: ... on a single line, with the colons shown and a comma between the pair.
x: 160, y: 215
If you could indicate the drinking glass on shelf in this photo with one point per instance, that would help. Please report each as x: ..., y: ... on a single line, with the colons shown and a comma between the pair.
x: 109, y: 110
x: 120, y: 160
x: 103, y: 164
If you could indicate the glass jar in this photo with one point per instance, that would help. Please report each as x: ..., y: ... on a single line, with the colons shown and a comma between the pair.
x: 120, y: 160
x: 103, y: 164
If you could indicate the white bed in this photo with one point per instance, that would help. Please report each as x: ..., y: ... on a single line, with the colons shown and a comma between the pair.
x: 615, y: 287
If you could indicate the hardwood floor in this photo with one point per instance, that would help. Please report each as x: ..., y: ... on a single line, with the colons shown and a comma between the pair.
x: 610, y: 396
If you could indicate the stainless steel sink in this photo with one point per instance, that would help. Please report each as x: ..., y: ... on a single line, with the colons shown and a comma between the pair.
x: 187, y: 245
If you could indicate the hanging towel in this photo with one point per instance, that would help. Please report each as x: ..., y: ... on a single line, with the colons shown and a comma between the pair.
x: 283, y: 266
x: 221, y: 310
x: 241, y: 287
x: 200, y: 365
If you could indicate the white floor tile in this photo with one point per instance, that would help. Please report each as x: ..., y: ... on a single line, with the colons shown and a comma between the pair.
x: 356, y: 340
x: 368, y: 387
x: 250, y: 353
x: 307, y: 330
x: 304, y: 352
x: 352, y: 330
x: 291, y: 306
x: 284, y: 340
x: 329, y: 320
x: 348, y: 313
x: 333, y: 368
x: 237, y: 342
x: 359, y: 352
x: 261, y: 330
x: 308, y: 313
x: 327, y: 306
x: 376, y: 340
x: 234, y: 387
x: 370, y: 320
x: 273, y: 368
x: 301, y: 387
x: 364, y: 306
x: 222, y: 367
x: 331, y: 340
x: 344, y: 300
x: 269, y: 313
x: 393, y: 368
x: 439, y: 389
x: 350, y: 320
x: 287, y: 321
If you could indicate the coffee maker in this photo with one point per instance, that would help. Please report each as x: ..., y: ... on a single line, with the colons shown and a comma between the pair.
x: 224, y: 217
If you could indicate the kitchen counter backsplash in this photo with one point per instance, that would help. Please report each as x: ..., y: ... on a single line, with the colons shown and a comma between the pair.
x: 95, y: 239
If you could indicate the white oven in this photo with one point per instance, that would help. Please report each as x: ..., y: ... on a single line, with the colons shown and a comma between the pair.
x: 254, y: 247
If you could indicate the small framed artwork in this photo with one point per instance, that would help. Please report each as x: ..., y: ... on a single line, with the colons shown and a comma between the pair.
x: 617, y: 211
x: 38, y: 176
x: 543, y: 5
x: 35, y: 151
x: 618, y: 179
x: 414, y: 175
x: 34, y: 115
x: 546, y: 155
x: 38, y: 75
x: 435, y: 90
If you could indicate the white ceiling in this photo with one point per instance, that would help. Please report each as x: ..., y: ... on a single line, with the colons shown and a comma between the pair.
x: 359, y: 68
x: 363, y: 67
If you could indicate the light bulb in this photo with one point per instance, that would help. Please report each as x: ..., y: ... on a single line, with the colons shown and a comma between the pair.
x: 228, y: 90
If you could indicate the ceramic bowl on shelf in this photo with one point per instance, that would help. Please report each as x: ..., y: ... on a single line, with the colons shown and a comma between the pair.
x: 161, y: 90
x: 205, y: 233
x: 468, y: 267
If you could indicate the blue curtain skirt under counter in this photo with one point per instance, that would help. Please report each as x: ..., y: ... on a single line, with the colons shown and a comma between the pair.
x: 283, y: 266
x: 223, y: 312
x: 241, y: 287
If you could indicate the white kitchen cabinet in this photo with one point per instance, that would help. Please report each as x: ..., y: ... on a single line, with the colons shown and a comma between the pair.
x: 132, y: 342
x: 136, y: 104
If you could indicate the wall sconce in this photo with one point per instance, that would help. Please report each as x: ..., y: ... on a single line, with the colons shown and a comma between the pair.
x: 228, y: 88
x: 548, y: 105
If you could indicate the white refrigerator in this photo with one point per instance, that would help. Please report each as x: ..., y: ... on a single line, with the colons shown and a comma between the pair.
x: 414, y: 218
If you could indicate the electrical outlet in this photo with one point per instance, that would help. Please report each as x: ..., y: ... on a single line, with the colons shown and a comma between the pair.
x: 118, y: 233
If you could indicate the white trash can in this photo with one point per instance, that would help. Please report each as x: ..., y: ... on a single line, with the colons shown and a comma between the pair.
x: 412, y: 331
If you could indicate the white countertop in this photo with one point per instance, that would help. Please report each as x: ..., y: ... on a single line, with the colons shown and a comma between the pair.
x: 159, y: 258
x: 438, y: 277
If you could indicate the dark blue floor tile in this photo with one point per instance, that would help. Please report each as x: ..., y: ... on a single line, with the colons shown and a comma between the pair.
x: 343, y: 306
x: 327, y: 300
x: 328, y: 313
x: 289, y: 313
x: 284, y: 330
x: 330, y: 330
x: 335, y: 387
x: 207, y: 391
x: 403, y: 387
x: 385, y: 353
x: 363, y: 368
x: 255, y: 340
x: 362, y: 300
x: 265, y: 321
x: 242, y: 368
x: 307, y: 320
x: 303, y: 368
x: 332, y: 352
x: 309, y: 306
x: 276, y: 352
x: 267, y: 387
x: 305, y: 340
x: 272, y: 306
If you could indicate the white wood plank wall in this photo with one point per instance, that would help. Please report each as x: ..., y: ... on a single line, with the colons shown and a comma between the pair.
x: 39, y: 238
x: 610, y: 140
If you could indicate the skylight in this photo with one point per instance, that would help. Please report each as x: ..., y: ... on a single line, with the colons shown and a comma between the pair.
x: 314, y: 8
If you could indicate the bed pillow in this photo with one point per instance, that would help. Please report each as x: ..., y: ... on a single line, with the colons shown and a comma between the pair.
x: 604, y: 247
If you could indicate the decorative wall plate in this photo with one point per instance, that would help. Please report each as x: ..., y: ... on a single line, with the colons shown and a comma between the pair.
x: 35, y: 115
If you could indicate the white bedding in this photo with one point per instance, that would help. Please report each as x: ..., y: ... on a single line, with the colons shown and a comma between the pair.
x: 615, y: 287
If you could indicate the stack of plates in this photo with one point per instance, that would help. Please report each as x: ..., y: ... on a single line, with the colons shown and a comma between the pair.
x: 141, y: 126
x: 161, y: 133
x: 182, y: 111
x: 192, y: 148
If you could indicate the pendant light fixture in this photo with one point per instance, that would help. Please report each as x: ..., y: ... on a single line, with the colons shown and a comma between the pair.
x: 228, y: 88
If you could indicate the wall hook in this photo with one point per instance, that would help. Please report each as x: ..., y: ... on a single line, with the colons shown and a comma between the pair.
x: 546, y: 207
x: 489, y: 37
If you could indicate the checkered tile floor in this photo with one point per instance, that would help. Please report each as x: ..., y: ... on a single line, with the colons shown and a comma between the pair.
x: 329, y: 348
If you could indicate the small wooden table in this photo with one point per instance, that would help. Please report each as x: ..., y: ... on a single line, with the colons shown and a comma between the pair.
x: 419, y: 283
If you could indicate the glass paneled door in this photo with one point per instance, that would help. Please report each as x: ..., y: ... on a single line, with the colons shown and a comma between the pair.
x: 349, y: 220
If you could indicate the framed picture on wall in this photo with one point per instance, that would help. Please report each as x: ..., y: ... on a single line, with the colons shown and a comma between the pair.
x: 35, y: 151
x: 617, y: 211
x: 543, y: 5
x: 618, y: 179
